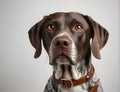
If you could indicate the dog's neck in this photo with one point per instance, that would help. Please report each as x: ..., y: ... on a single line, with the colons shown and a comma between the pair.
x: 71, y: 71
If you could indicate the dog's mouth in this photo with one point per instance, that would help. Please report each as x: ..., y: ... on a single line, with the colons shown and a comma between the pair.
x: 63, y: 62
x: 63, y: 59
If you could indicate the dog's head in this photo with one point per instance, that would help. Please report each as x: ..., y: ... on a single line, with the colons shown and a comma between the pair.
x: 66, y: 37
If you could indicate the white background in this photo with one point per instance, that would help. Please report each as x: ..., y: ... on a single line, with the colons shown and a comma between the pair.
x: 20, y: 72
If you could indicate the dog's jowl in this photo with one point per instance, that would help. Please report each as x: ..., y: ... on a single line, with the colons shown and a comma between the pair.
x: 66, y: 38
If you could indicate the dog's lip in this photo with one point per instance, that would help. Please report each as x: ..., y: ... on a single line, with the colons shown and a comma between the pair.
x: 62, y: 56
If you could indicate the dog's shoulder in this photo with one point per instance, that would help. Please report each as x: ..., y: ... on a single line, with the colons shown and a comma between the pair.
x: 49, y: 86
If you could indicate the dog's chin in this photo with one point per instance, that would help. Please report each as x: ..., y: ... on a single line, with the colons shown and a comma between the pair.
x: 64, y: 67
x: 63, y: 60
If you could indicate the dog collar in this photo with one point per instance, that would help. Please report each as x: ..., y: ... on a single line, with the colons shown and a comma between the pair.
x: 72, y: 82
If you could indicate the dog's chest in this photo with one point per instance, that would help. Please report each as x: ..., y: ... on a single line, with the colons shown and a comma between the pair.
x: 80, y: 88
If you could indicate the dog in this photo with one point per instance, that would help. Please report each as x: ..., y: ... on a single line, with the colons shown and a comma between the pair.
x: 69, y: 38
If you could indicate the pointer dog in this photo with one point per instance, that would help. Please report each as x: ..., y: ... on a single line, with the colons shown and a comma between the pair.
x: 66, y: 38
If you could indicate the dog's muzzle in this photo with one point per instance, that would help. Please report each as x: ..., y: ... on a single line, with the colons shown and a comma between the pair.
x: 62, y: 50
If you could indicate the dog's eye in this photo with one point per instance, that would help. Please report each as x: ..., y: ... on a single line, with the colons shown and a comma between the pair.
x: 51, y: 27
x: 77, y: 28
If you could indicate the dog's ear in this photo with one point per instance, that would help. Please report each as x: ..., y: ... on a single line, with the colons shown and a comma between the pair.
x: 35, y: 37
x: 99, y: 36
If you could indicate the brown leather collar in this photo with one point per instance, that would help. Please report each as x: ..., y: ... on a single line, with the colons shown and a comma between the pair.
x: 72, y: 82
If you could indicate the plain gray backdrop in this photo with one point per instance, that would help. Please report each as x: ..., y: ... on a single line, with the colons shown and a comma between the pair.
x: 20, y: 72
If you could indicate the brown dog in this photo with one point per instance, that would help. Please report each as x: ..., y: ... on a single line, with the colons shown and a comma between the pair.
x: 66, y: 38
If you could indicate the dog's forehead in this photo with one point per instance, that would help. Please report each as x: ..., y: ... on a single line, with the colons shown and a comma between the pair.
x: 68, y: 17
x: 79, y: 18
x: 57, y: 14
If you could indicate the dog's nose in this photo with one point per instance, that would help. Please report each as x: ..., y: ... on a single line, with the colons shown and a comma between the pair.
x: 62, y: 42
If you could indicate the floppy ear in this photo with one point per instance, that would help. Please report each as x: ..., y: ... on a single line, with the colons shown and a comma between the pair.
x: 35, y: 38
x: 99, y: 36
